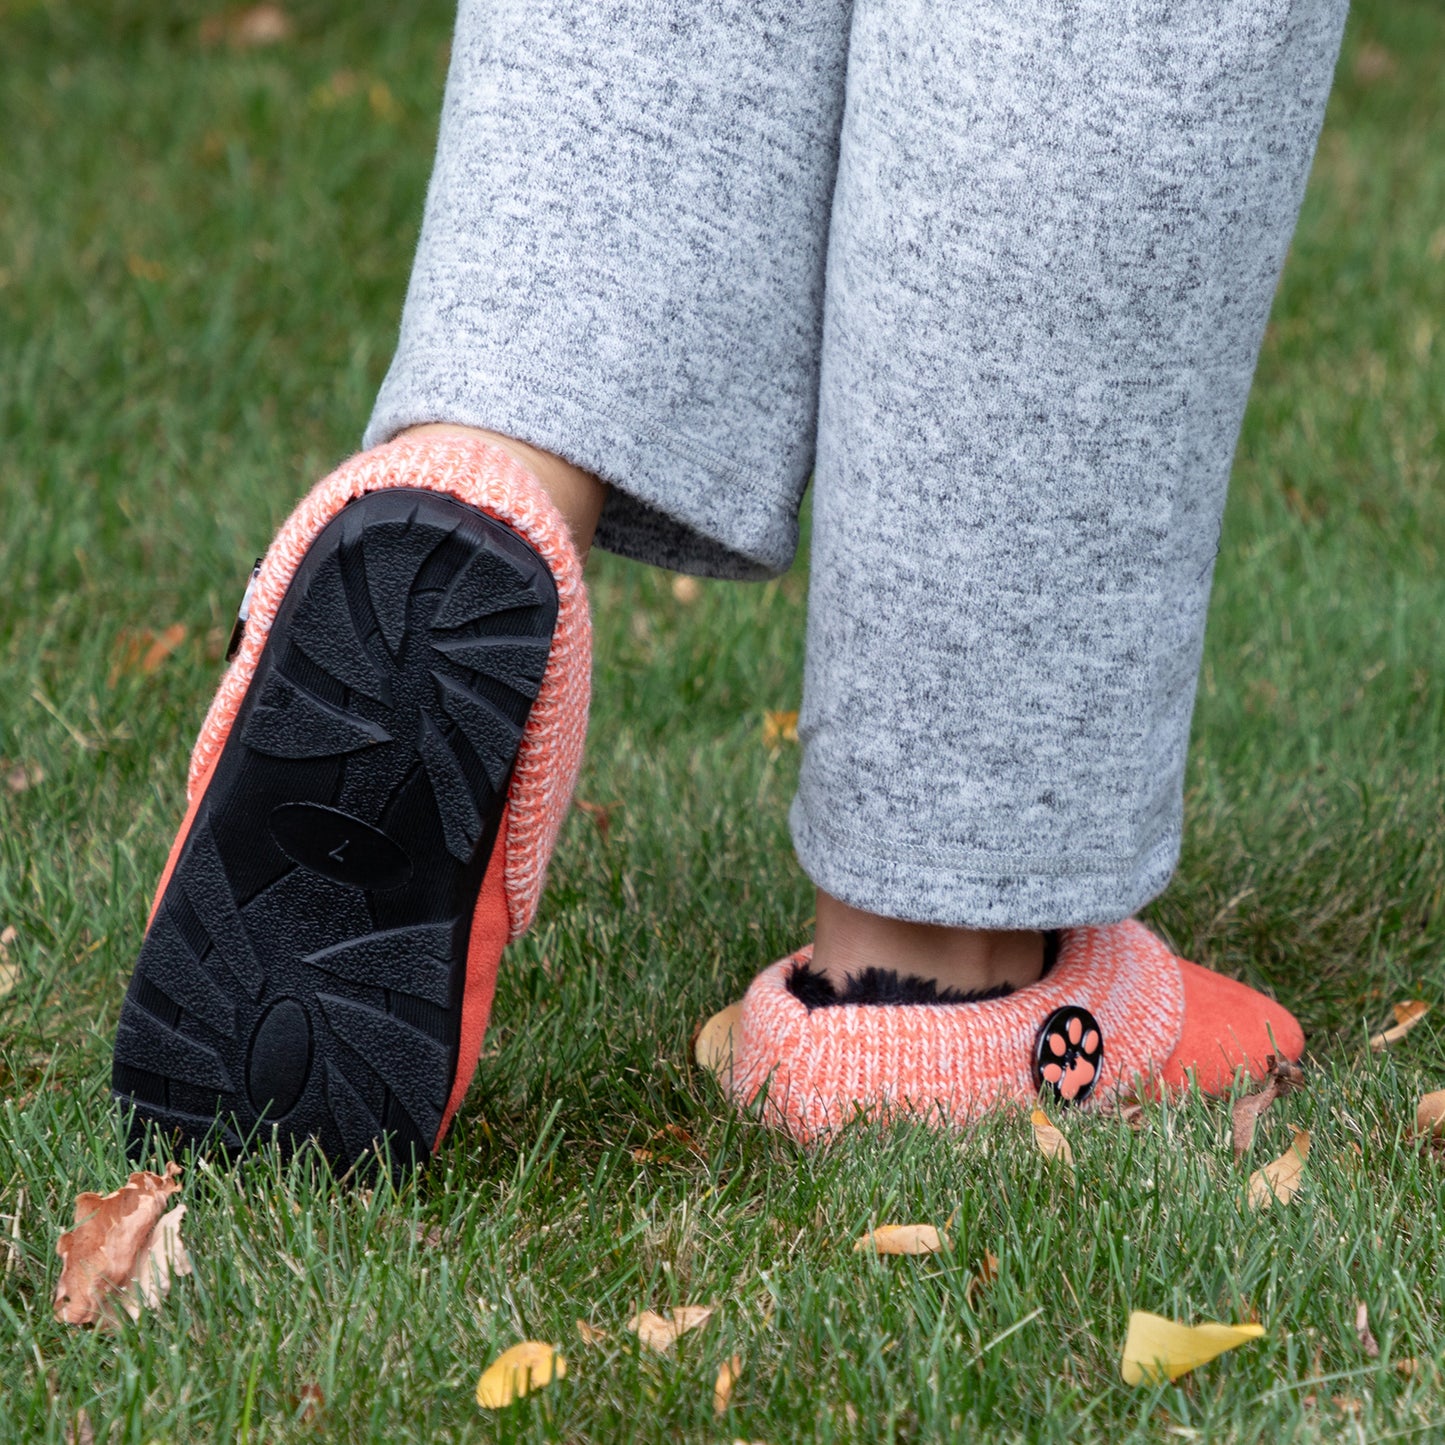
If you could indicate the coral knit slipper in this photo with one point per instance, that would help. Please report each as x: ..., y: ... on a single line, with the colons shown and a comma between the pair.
x: 373, y: 800
x: 1116, y: 1011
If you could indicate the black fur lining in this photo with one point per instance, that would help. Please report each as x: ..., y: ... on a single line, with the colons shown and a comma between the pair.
x: 886, y: 986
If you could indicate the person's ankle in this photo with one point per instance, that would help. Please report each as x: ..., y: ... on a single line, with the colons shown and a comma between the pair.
x: 847, y: 941
x: 578, y: 495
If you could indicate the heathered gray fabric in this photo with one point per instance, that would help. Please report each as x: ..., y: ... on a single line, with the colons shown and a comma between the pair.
x: 1003, y: 266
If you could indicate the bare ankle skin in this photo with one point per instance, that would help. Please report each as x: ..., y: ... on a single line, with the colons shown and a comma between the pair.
x: 578, y: 495
x: 846, y: 940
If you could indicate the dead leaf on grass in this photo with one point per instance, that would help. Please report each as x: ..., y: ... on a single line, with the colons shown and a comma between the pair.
x: 1280, y: 1179
x: 660, y: 1334
x: 1131, y: 1112
x: 248, y: 29
x: 1051, y: 1143
x: 1367, y: 1340
x: 122, y: 1251
x: 79, y: 1431
x: 21, y: 777
x: 311, y: 1402
x: 1373, y: 62
x: 987, y: 1274
x: 601, y: 815
x: 779, y: 728
x: 143, y: 650
x: 903, y: 1239
x: 1430, y: 1113
x: 1281, y: 1077
x: 727, y: 1377
x: 713, y: 1049
x: 590, y: 1334
x: 1156, y: 1348
x: 686, y: 589
x: 1407, y: 1368
x: 1407, y: 1015
x: 667, y: 1143
x: 517, y: 1372
x: 9, y: 972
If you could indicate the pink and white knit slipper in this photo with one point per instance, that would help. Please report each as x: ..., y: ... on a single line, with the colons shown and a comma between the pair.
x: 1116, y: 1011
x: 373, y: 801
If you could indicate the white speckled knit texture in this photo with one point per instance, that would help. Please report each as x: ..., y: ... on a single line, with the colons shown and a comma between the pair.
x: 996, y: 273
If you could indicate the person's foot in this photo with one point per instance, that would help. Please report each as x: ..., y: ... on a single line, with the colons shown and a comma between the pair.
x: 1115, y: 1010
x: 373, y: 801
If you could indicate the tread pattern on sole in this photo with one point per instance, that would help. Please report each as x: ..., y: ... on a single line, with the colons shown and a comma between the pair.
x: 305, y: 968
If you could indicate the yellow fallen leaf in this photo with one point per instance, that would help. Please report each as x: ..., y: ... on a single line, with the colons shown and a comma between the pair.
x: 1051, y: 1143
x: 1156, y: 1349
x: 686, y: 589
x: 779, y: 727
x: 1407, y: 1015
x: 714, y: 1047
x: 727, y: 1377
x: 517, y: 1372
x: 1280, y: 1179
x: 660, y: 1334
x: 1430, y: 1113
x: 902, y: 1239
x: 590, y: 1334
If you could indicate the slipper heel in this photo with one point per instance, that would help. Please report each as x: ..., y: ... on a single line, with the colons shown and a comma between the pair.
x: 306, y: 967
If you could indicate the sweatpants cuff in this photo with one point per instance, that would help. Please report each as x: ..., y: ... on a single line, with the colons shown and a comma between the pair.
x: 1024, y: 893
x: 672, y: 503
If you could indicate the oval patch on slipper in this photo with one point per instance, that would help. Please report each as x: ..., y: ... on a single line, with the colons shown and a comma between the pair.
x: 1068, y: 1053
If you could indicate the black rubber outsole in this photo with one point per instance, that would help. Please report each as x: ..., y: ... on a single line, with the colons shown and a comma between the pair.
x: 303, y: 974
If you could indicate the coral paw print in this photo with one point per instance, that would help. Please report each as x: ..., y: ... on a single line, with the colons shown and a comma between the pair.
x: 1068, y: 1054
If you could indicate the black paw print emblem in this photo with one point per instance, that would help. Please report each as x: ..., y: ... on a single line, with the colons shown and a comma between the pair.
x: 1068, y: 1053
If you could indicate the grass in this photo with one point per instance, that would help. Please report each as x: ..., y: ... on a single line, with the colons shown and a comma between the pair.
x: 202, y: 256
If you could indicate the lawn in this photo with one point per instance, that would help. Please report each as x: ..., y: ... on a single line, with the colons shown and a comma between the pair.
x: 203, y: 249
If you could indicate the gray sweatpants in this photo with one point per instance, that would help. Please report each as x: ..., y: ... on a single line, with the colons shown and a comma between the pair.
x: 994, y: 273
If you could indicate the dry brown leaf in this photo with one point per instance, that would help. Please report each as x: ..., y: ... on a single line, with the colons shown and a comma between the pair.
x: 249, y: 29
x: 21, y: 777
x: 79, y: 1431
x: 713, y: 1049
x: 1281, y: 1077
x: 1131, y: 1112
x: 686, y: 589
x: 311, y: 1402
x: 9, y: 972
x: 517, y: 1372
x: 1407, y: 1368
x: 660, y: 1334
x: 601, y: 815
x: 1280, y: 1179
x: 1347, y: 1404
x: 590, y: 1334
x: 1430, y: 1113
x: 119, y: 1253
x: 1407, y: 1015
x: 727, y: 1377
x: 1051, y: 1143
x: 987, y: 1274
x: 666, y: 1143
x: 779, y: 728
x: 1362, y: 1329
x: 903, y: 1239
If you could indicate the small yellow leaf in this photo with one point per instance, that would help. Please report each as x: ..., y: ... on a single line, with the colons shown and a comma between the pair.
x: 727, y: 1377
x: 590, y: 1334
x: 1281, y: 1178
x: 903, y: 1239
x: 659, y: 1334
x: 779, y: 727
x: 714, y: 1048
x: 686, y: 589
x: 1407, y: 1015
x: 1156, y: 1349
x: 517, y: 1372
x: 1430, y: 1113
x: 1051, y: 1143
